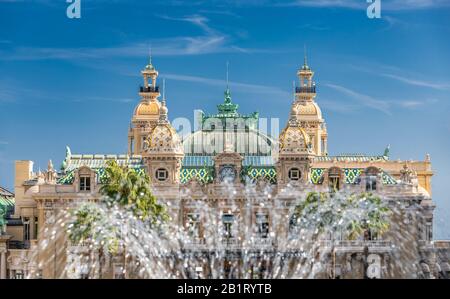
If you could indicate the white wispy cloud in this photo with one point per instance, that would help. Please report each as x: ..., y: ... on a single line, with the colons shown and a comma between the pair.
x: 407, y: 77
x: 336, y: 106
x: 223, y: 4
x: 210, y: 41
x: 353, y: 4
x: 363, y: 99
x: 164, y: 47
x: 13, y: 92
x: 197, y: 20
x: 417, y: 82
x: 361, y: 4
x: 245, y: 87
x: 384, y: 105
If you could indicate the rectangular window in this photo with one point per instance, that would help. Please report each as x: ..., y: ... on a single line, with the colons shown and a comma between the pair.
x: 333, y: 183
x: 193, y: 225
x: 36, y: 227
x: 18, y: 274
x: 371, y: 183
x: 85, y: 183
x: 26, y: 228
x: 294, y: 229
x: 428, y: 231
x: 262, y: 224
x: 227, y: 222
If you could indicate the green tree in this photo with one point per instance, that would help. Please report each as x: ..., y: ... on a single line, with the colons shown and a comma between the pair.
x: 124, y: 187
x: 130, y: 188
x: 350, y: 214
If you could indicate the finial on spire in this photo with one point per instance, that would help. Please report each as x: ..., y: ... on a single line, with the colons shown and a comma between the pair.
x: 150, y: 55
x: 164, y: 89
x: 386, y: 151
x: 228, y: 65
x: 305, y: 66
x: 305, y: 60
x: 149, y: 66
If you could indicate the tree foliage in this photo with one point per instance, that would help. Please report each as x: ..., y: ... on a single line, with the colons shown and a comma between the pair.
x: 123, y: 188
x: 351, y: 215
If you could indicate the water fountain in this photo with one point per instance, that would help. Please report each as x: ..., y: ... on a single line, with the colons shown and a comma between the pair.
x: 327, y: 236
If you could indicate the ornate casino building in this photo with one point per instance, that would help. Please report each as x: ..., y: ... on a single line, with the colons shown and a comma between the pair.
x: 229, y: 147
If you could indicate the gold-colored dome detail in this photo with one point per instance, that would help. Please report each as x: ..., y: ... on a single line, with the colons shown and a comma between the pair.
x: 307, y: 109
x: 164, y: 138
x: 145, y: 108
x: 294, y: 139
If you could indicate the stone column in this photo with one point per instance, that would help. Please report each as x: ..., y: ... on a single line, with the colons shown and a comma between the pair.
x: 3, y: 249
x: 3, y: 264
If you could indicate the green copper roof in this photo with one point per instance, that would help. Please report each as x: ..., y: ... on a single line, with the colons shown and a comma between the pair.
x: 72, y: 161
x: 203, y: 161
x: 95, y: 162
x: 228, y: 108
x: 7, y: 204
x: 351, y: 158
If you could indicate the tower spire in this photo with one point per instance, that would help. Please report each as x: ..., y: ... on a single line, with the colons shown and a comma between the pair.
x: 150, y: 55
x: 305, y: 60
x: 164, y: 89
x: 163, y: 110
x: 228, y: 65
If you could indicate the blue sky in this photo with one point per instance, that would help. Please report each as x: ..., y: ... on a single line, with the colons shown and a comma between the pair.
x: 74, y: 81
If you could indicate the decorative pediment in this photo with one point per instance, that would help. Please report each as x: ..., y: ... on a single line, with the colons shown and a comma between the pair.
x: 228, y: 158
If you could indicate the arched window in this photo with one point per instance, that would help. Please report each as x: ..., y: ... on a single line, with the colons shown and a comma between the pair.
x: 85, y: 179
x: 371, y: 178
x: 294, y: 174
x: 294, y: 228
x: 334, y: 179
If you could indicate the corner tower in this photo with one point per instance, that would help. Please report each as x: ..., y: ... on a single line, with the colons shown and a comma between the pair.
x: 146, y: 114
x: 163, y: 151
x: 307, y: 111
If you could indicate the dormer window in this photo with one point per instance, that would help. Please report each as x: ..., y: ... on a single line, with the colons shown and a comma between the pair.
x: 85, y: 183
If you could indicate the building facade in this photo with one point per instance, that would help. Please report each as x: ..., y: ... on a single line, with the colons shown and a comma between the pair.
x: 216, y: 165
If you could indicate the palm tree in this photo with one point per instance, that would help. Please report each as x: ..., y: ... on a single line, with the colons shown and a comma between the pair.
x: 125, y: 187
x: 351, y: 215
x: 130, y: 188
